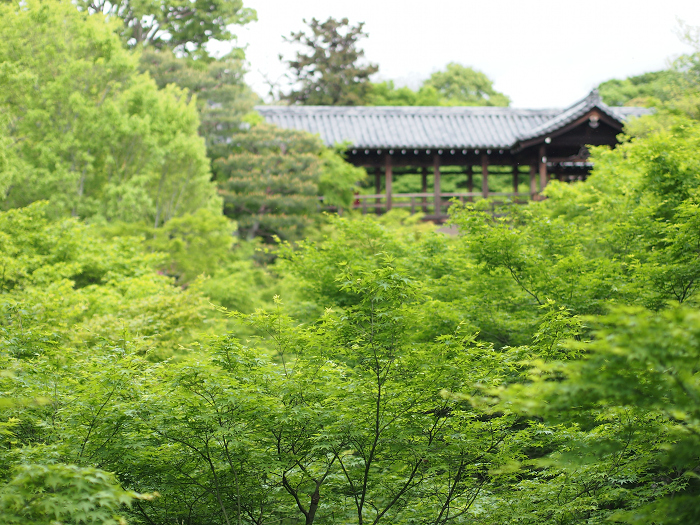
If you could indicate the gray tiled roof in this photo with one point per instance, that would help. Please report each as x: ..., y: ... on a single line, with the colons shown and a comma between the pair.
x: 566, y: 116
x: 579, y: 109
x: 430, y: 127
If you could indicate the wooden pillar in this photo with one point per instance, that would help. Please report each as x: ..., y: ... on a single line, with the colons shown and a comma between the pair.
x: 543, y: 167
x: 388, y: 179
x: 470, y: 181
x: 485, y: 176
x: 533, y: 181
x: 436, y: 183
x: 515, y: 180
x: 377, y: 187
x: 424, y: 187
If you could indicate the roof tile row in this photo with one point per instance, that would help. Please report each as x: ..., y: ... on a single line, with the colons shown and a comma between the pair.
x: 434, y: 127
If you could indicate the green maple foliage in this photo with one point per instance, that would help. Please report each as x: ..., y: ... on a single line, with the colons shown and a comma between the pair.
x: 541, y: 367
x: 87, y: 132
x: 49, y: 494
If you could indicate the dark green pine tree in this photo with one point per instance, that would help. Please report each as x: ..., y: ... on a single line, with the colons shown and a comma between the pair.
x: 328, y: 72
x: 269, y: 182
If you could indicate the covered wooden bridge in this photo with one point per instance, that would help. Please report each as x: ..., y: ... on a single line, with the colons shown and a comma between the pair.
x: 481, y: 142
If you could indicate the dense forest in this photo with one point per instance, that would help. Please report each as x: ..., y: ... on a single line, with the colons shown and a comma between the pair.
x: 186, y: 339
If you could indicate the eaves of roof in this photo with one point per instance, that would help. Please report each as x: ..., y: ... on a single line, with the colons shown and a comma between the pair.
x: 571, y: 115
x: 367, y: 127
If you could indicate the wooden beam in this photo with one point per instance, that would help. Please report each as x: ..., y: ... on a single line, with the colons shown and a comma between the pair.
x: 515, y: 178
x: 377, y: 186
x: 572, y: 158
x: 436, y: 183
x: 388, y: 179
x: 543, y: 167
x: 470, y: 180
x: 533, y: 181
x: 424, y: 187
x: 485, y: 176
x: 601, y: 117
x: 400, y: 162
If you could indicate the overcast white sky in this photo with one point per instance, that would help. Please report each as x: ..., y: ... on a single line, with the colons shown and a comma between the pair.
x: 542, y: 53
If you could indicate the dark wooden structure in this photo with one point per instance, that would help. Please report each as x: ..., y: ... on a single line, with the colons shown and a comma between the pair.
x: 537, y: 144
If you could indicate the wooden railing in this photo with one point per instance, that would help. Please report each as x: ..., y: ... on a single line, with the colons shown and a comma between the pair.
x: 425, y: 202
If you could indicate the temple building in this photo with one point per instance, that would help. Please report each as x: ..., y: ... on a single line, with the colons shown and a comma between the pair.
x: 532, y: 144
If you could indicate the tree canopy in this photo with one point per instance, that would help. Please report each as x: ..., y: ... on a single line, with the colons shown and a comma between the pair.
x: 222, y: 97
x: 328, y: 71
x: 272, y: 180
x: 464, y: 86
x: 457, y: 85
x: 674, y: 89
x: 538, y: 367
x: 387, y: 94
x: 160, y: 364
x: 86, y: 131
x: 639, y: 90
x: 182, y: 25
